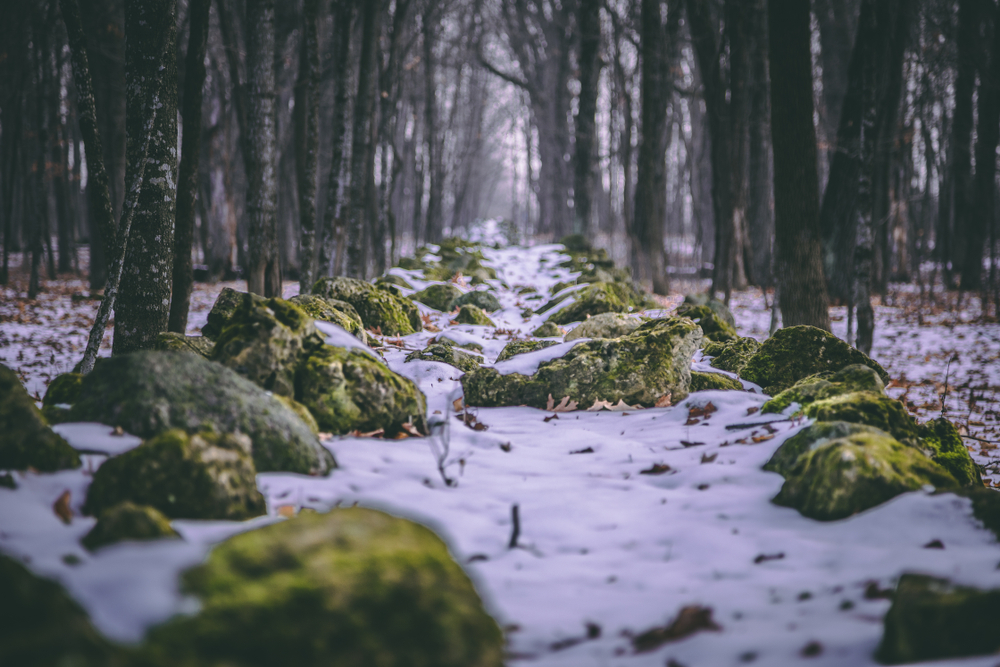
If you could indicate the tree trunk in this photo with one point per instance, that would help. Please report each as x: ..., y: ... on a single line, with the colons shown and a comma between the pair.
x: 187, y: 179
x: 435, y: 166
x: 307, y: 150
x: 760, y: 218
x: 961, y: 135
x: 589, y: 21
x: 798, y: 266
x: 737, y: 25
x: 143, y: 305
x: 837, y: 20
x: 868, y: 31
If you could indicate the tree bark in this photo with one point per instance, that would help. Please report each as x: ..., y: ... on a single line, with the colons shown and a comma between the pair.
x: 435, y: 166
x: 760, y: 217
x: 589, y: 22
x: 187, y: 179
x: 307, y: 151
x: 798, y: 266
x: 837, y: 21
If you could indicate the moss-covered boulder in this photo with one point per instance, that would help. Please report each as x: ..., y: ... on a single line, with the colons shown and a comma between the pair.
x: 856, y: 472
x: 464, y: 344
x: 202, y: 476
x: 810, y: 438
x: 446, y: 354
x: 411, y: 264
x: 707, y: 381
x: 479, y: 298
x: 940, y: 439
x: 40, y: 624
x: 128, y: 521
x: 469, y: 314
x: 438, y: 296
x: 265, y: 341
x: 794, y: 353
x: 651, y: 363
x: 225, y: 305
x: 715, y: 328
x: 348, y: 390
x: 516, y: 347
x: 934, y: 619
x: 301, y: 411
x: 26, y: 441
x: 825, y: 385
x: 172, y: 341
x: 703, y: 299
x: 593, y: 300
x: 577, y: 243
x: 605, y: 325
x: 732, y: 355
x: 393, y: 279
x: 336, y: 312
x: 62, y: 392
x: 147, y: 393
x: 351, y: 587
x: 378, y: 307
x: 547, y: 330
x: 461, y: 256
x: 985, y: 506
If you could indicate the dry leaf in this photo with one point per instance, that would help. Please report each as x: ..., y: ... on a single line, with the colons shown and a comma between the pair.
x: 565, y: 405
x: 550, y: 418
x: 62, y: 509
x: 458, y: 404
x: 599, y: 405
x: 286, y: 511
x: 761, y: 438
x: 377, y: 433
x: 663, y: 401
x: 411, y: 429
x: 324, y: 436
x: 118, y: 430
x: 622, y: 406
x: 656, y: 469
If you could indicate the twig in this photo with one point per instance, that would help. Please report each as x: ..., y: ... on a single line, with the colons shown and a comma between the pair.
x: 972, y: 437
x: 947, y: 375
x: 515, y: 516
x: 737, y: 427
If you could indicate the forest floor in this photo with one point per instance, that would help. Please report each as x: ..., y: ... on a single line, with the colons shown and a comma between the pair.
x: 625, y: 518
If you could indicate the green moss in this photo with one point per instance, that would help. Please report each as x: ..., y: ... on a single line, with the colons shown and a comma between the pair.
x: 933, y: 619
x: 336, y: 312
x: 641, y: 368
x: 63, y: 391
x: 349, y: 390
x: 577, y: 243
x: 605, y: 325
x: 516, y: 347
x: 480, y: 298
x: 128, y: 521
x: 202, y: 476
x: 26, y: 441
x: 378, y: 307
x: 225, y: 305
x: 985, y: 506
x: 411, y: 264
x: 446, y: 354
x: 547, y: 330
x: 469, y: 314
x: 794, y: 353
x: 444, y: 340
x: 869, y: 408
x: 393, y: 279
x: 715, y: 328
x: 945, y: 446
x: 593, y: 300
x: 558, y: 287
x: 704, y: 299
x: 732, y: 355
x: 171, y: 341
x: 818, y: 434
x: 707, y: 381
x: 301, y: 411
x: 857, y: 472
x: 825, y: 385
x: 351, y: 587
x: 438, y: 296
x: 147, y: 393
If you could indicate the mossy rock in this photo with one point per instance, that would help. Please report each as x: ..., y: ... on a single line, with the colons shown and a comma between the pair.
x: 985, y: 506
x: 523, y: 290
x: 593, y: 300
x: 715, y: 328
x: 941, y: 440
x: 469, y: 314
x: 547, y: 330
x: 480, y: 298
x: 301, y: 411
x: 351, y: 587
x: 794, y: 353
x: 825, y: 385
x: 265, y: 341
x: 605, y: 325
x: 438, y: 296
x: 128, y: 521
x: 63, y: 391
x: 642, y: 368
x: 40, y: 624
x: 147, y: 393
x: 857, y: 472
x: 393, y: 279
x: 333, y: 311
x: 202, y: 476
x: 577, y: 243
x: 26, y: 441
x: 411, y: 264
x: 516, y: 347
x: 172, y: 341
x: 810, y: 438
x: 348, y: 390
x: 708, y: 381
x: 934, y: 619
x: 468, y: 345
x: 225, y: 305
x: 555, y: 289
x: 378, y: 307
x: 732, y: 355
x: 446, y: 354
x: 703, y: 299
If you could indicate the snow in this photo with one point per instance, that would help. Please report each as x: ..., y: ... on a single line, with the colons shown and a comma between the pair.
x: 528, y: 363
x: 601, y: 542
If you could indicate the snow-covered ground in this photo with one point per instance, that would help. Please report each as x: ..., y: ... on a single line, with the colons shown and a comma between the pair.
x: 624, y: 517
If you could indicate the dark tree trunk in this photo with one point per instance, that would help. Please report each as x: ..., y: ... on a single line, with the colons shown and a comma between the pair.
x: 307, y: 149
x: 143, y: 305
x: 187, y: 179
x: 432, y: 141
x: 589, y: 21
x: 961, y: 135
x: 264, y: 276
x: 868, y: 30
x: 798, y: 266
x: 737, y: 25
x: 760, y: 218
x: 837, y: 20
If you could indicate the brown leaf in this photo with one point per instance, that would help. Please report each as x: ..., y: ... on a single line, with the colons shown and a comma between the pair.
x: 656, y: 469
x: 550, y: 418
x: 663, y: 401
x: 690, y: 619
x: 599, y: 405
x: 565, y: 405
x: 458, y: 404
x: 753, y: 409
x: 377, y: 433
x: 701, y: 411
x: 762, y: 438
x: 286, y: 511
x: 62, y: 509
x: 709, y: 458
x: 411, y: 429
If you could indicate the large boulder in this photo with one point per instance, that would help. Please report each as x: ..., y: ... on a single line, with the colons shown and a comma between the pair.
x: 438, y: 296
x: 940, y: 439
x: 446, y: 353
x: 26, y: 441
x: 715, y: 328
x: 592, y: 300
x: 200, y: 476
x: 827, y: 384
x: 934, y: 619
x: 692, y: 301
x: 351, y: 587
x: 547, y: 330
x: 459, y: 256
x: 336, y: 312
x: 469, y: 314
x: 170, y: 341
x: 265, y: 341
x: 515, y: 347
x: 605, y: 325
x: 62, y: 392
x: 732, y: 355
x: 479, y: 298
x: 649, y: 366
x: 794, y: 353
x: 379, y: 307
x: 147, y: 393
x: 349, y: 390
x: 225, y: 305
x: 128, y: 521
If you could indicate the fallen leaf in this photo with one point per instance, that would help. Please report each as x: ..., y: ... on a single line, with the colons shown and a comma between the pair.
x: 286, y: 511
x: 324, y: 436
x: 118, y: 430
x: 709, y: 458
x: 411, y: 429
x: 752, y: 410
x: 599, y: 405
x: 689, y: 620
x: 565, y: 405
x: 585, y: 450
x: 762, y: 438
x: 550, y: 418
x: 458, y: 404
x: 505, y: 446
x: 656, y: 469
x: 663, y: 401
x: 701, y: 411
x: 62, y: 509
x: 377, y: 433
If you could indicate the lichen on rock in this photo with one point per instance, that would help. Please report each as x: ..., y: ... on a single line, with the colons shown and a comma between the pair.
x: 379, y: 307
x: 483, y: 299
x: 703, y: 299
x: 715, y: 328
x: 469, y: 314
x: 731, y: 355
x: 26, y: 441
x: 592, y: 300
x: 172, y: 341
x: 438, y: 296
x: 334, y: 311
x: 847, y: 380
x: 547, y: 330
x: 446, y: 353
x: 128, y: 521
x: 225, y: 305
x: 516, y: 347
x: 350, y: 587
x: 393, y: 279
x: 605, y: 325
x: 707, y: 381
x: 202, y: 476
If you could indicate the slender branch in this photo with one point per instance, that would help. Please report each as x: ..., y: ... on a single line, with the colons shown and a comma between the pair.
x: 509, y: 78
